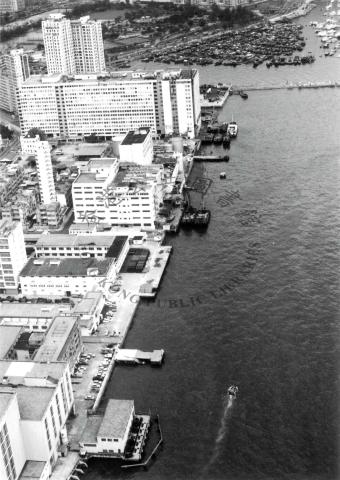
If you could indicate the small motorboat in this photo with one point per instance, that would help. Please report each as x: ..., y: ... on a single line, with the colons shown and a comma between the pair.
x: 223, y: 175
x: 232, y: 391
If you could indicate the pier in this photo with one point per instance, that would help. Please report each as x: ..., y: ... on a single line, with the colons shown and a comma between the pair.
x: 211, y: 158
x: 136, y: 357
x: 285, y: 86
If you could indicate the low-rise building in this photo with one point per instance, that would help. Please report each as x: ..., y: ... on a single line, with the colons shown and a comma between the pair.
x: 62, y: 342
x: 33, y: 317
x: 108, y: 434
x: 88, y: 311
x: 96, y: 246
x: 66, y: 276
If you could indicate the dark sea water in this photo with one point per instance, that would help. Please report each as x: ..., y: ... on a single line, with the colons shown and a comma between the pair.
x: 276, y: 333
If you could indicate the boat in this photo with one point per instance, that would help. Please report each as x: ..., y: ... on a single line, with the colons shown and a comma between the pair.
x: 226, y: 140
x: 232, y: 391
x: 243, y: 94
x: 232, y: 129
x: 223, y: 175
x: 218, y: 138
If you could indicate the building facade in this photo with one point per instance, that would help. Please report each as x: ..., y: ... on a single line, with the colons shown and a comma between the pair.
x: 43, y: 398
x: 14, y: 69
x: 73, y: 46
x: 128, y: 197
x: 12, y: 255
x: 73, y: 108
x: 137, y: 147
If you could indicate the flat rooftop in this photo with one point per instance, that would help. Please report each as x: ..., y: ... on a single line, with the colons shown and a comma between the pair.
x: 33, y: 310
x: 33, y: 401
x: 8, y: 335
x: 32, y: 470
x: 90, y: 149
x: 116, y: 418
x: 87, y: 304
x: 55, y: 240
x: 137, y: 136
x: 111, y: 78
x: 16, y: 371
x: 65, y: 267
x: 5, y: 400
x: 55, y: 339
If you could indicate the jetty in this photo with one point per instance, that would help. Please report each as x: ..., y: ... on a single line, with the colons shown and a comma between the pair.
x: 211, y: 158
x: 136, y: 357
x: 285, y: 86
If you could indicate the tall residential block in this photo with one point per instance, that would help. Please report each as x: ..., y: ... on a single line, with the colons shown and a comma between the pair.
x: 168, y: 102
x: 11, y: 6
x: 73, y: 46
x: 12, y: 254
x: 14, y: 69
x: 38, y: 145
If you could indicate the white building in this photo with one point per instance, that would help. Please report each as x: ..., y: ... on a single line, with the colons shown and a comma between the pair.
x: 73, y: 46
x: 66, y: 276
x: 108, y: 434
x: 11, y: 6
x: 39, y: 146
x: 73, y: 108
x: 130, y: 197
x: 12, y: 254
x: 14, y: 69
x: 96, y: 246
x: 33, y: 317
x: 137, y: 147
x: 35, y: 402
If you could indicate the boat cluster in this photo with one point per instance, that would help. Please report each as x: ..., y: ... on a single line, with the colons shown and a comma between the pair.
x: 254, y: 45
x: 219, y: 133
x: 193, y: 217
x: 329, y: 33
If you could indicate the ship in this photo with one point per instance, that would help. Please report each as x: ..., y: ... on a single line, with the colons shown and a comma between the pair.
x: 232, y: 391
x: 233, y: 129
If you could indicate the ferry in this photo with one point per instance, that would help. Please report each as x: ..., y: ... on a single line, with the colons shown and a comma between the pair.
x: 233, y: 129
x: 232, y: 391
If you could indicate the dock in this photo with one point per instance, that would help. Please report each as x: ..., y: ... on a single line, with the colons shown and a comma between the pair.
x: 211, y: 158
x: 137, y: 357
x: 286, y: 86
x: 153, y: 276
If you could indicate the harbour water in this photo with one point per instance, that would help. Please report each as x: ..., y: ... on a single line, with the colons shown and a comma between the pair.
x: 275, y: 331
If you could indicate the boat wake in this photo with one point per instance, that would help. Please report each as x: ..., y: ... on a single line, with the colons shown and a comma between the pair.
x: 223, y: 430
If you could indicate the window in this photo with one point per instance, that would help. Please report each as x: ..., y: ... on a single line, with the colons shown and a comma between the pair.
x: 7, y: 454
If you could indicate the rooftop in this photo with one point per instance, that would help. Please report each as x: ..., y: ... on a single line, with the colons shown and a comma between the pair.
x: 44, y: 373
x: 8, y: 336
x: 65, y: 240
x: 111, y: 78
x: 116, y: 418
x: 65, y: 267
x: 90, y: 149
x: 55, y: 339
x: 5, y: 400
x: 87, y: 304
x: 32, y: 469
x: 137, y: 136
x: 33, y: 401
x: 34, y: 310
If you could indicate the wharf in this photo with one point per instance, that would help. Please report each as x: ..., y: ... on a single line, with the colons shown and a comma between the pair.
x: 134, y: 357
x: 210, y: 102
x: 287, y: 86
x: 153, y: 276
x: 211, y: 158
